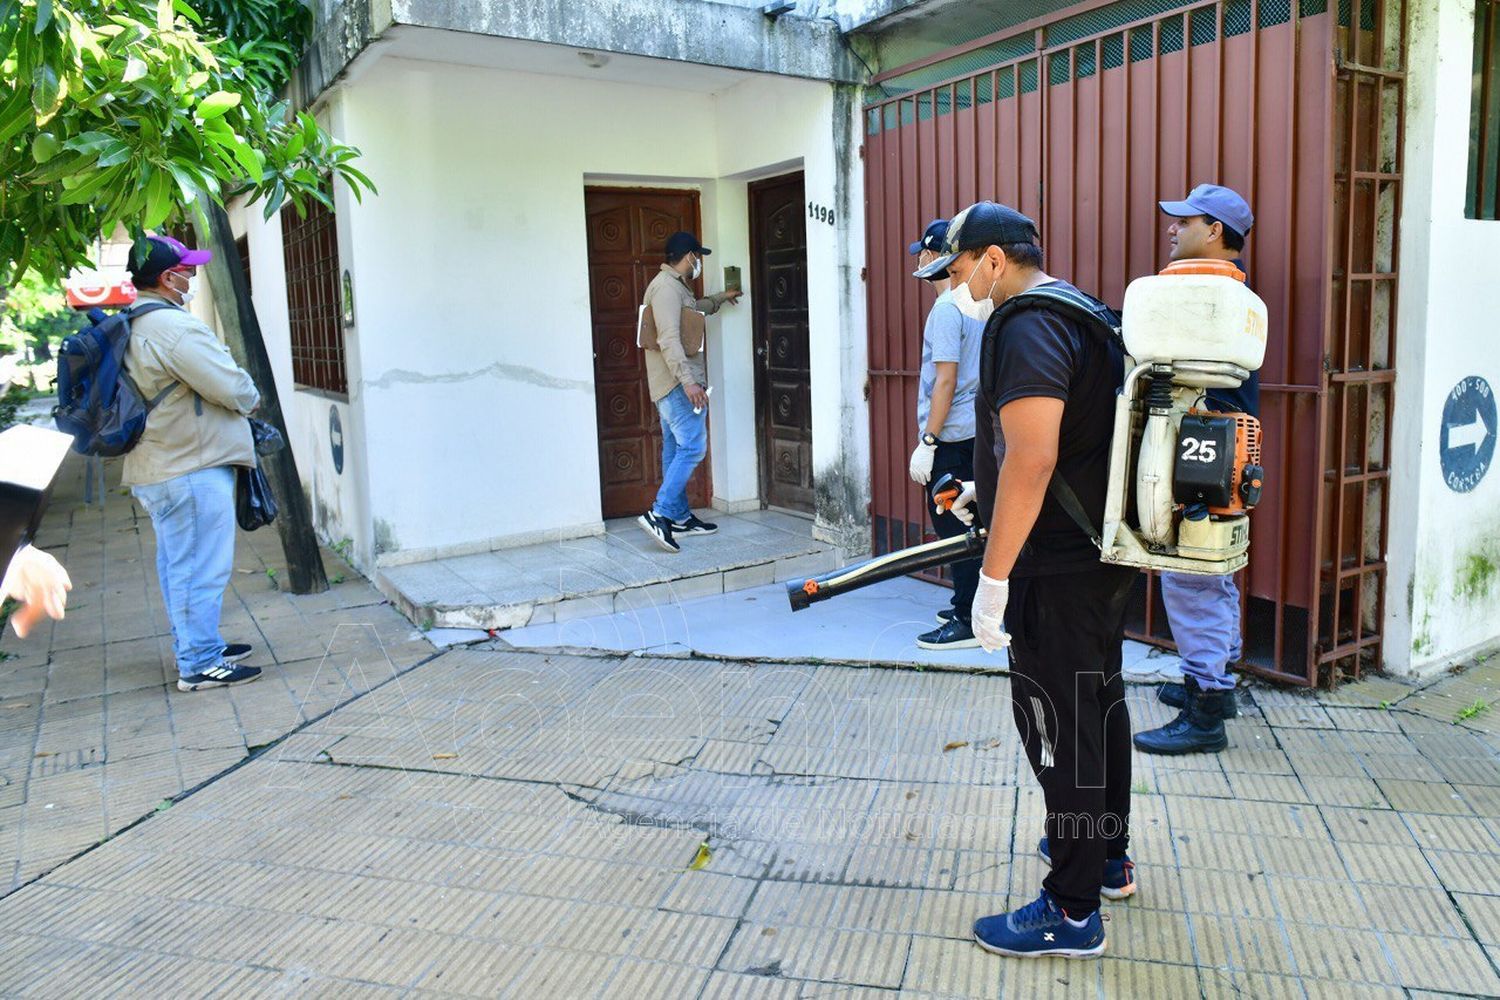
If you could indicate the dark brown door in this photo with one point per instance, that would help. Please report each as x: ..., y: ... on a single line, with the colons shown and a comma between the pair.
x: 627, y: 232
x: 778, y: 247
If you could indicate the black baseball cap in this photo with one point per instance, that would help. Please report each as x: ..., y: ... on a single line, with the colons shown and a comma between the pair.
x: 681, y: 243
x: 164, y: 253
x: 983, y: 224
x: 932, y: 237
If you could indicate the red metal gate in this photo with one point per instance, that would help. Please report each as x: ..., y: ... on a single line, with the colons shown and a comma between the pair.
x: 1084, y: 120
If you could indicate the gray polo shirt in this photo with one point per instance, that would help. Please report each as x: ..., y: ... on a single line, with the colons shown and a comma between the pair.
x: 950, y: 336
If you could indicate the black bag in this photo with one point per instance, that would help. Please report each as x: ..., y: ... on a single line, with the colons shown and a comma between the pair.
x: 254, y: 504
x: 268, y: 439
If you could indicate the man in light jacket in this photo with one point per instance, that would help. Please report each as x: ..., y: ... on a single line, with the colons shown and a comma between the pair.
x: 677, y: 377
x: 182, y: 469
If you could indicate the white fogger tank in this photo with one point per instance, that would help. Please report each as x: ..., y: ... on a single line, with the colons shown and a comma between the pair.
x: 1196, y: 473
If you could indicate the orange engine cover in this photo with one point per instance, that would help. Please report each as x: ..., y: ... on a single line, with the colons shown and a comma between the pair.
x: 1249, y: 475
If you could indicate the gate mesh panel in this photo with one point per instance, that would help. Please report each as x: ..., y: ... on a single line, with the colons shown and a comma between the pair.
x: 1204, y: 27
x: 1058, y: 70
x: 1171, y: 34
x: 1140, y: 45
x: 1028, y: 76
x: 1084, y: 61
x: 1236, y: 17
x: 1096, y: 21
x: 960, y: 65
x: 1114, y: 51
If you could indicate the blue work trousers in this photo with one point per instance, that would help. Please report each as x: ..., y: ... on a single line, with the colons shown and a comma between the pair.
x: 1204, y: 612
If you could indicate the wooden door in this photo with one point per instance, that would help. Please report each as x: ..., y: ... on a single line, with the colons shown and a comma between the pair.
x: 627, y: 233
x: 778, y: 248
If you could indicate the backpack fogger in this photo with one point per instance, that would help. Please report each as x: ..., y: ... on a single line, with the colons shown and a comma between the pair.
x: 1182, y: 477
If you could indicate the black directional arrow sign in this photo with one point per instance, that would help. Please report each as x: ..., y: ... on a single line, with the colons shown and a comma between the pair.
x: 1468, y: 434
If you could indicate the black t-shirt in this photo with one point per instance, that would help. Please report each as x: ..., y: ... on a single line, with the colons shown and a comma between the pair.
x: 1245, y: 397
x: 1043, y: 353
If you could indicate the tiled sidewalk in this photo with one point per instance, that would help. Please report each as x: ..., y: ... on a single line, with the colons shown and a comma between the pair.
x: 505, y: 823
x: 511, y: 824
x: 94, y: 733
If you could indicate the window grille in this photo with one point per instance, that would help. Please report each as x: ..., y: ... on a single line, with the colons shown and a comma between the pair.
x: 309, y: 248
x: 1483, y: 199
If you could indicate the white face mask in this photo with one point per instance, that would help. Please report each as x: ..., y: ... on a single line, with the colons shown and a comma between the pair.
x: 697, y: 267
x: 976, y: 309
x: 188, y: 294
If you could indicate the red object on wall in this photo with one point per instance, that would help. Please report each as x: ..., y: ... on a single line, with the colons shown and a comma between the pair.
x: 99, y: 290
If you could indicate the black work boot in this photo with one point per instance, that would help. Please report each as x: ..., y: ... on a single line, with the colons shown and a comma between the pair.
x: 1198, y: 728
x: 1176, y: 696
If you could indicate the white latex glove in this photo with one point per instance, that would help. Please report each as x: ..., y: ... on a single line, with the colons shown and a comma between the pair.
x: 921, y: 463
x: 40, y: 583
x: 963, y: 506
x: 988, y: 615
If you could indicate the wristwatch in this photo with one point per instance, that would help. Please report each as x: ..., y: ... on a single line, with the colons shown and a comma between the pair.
x: 929, y: 439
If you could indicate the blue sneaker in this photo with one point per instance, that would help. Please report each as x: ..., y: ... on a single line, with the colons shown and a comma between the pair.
x: 1040, y: 928
x: 1119, y: 874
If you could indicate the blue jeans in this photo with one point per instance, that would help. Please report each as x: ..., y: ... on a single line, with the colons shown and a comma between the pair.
x: 194, y: 520
x: 684, y: 442
x: 1204, y: 612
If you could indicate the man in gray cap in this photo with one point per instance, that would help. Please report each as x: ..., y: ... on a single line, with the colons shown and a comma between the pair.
x: 1204, y: 611
x: 947, y: 383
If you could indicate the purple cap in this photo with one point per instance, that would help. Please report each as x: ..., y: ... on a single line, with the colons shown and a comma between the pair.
x: 165, y: 254
x: 1220, y: 202
x: 185, y: 255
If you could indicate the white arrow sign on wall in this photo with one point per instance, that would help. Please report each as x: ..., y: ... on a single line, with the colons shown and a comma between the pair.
x: 1470, y: 435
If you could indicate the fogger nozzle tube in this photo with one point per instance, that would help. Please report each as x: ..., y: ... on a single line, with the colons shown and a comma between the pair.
x: 803, y: 593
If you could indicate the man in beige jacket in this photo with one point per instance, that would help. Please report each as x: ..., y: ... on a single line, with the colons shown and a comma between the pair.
x: 182, y: 469
x: 679, y: 387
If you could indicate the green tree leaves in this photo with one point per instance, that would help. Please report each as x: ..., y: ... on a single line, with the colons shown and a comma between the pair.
x: 122, y: 111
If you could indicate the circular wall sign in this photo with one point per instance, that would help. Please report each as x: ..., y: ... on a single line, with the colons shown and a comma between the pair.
x: 1467, y: 437
x: 336, y: 439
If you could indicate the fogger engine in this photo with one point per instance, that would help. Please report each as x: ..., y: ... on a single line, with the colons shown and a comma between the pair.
x: 1183, y: 478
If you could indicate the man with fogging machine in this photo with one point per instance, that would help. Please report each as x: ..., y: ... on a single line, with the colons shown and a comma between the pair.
x: 1204, y: 611
x: 1049, y: 375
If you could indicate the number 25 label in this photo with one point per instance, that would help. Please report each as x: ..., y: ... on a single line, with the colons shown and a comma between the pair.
x: 1198, y: 450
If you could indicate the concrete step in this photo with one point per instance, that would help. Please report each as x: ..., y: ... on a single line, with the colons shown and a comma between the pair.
x: 621, y: 570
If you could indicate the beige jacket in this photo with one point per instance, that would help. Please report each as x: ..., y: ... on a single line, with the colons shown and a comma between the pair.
x: 670, y: 365
x: 200, y: 423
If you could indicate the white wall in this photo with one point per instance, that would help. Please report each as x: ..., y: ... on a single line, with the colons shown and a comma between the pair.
x: 337, y: 496
x: 773, y: 119
x: 1443, y: 598
x: 474, y: 392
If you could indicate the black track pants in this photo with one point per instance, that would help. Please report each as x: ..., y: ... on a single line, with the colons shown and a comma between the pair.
x: 1069, y: 701
x: 956, y: 457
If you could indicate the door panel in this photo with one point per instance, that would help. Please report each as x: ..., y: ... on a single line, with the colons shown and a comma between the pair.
x: 782, y: 376
x: 627, y: 229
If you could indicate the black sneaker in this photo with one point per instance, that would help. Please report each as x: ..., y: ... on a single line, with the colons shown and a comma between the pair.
x: 236, y: 651
x: 693, y: 526
x: 217, y: 676
x: 946, y: 615
x: 954, y: 635
x: 660, y: 530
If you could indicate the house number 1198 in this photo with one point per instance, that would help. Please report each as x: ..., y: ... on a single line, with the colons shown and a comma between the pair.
x: 820, y: 213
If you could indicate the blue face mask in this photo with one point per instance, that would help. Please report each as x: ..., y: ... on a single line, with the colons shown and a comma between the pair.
x: 697, y: 267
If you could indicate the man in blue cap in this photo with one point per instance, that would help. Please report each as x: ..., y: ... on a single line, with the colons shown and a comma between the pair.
x: 1204, y: 611
x: 946, y: 387
x: 1050, y: 370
